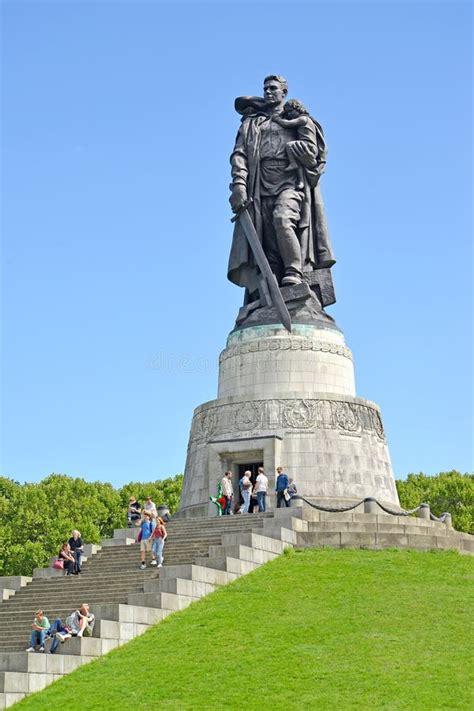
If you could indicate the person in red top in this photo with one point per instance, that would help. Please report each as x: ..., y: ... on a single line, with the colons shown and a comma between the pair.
x: 159, y: 537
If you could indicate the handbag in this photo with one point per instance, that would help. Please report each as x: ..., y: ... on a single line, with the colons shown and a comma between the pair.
x: 58, y: 564
x: 286, y: 495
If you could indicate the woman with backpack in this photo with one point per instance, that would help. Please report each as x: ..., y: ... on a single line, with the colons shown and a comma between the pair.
x: 144, y: 537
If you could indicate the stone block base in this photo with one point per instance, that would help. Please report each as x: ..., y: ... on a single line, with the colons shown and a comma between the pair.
x: 288, y: 400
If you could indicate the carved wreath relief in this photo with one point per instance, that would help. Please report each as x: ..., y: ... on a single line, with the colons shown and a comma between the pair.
x: 299, y: 414
x: 248, y: 416
x: 346, y: 417
x: 287, y: 415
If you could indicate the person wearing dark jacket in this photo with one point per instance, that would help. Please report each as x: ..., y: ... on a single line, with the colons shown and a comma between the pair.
x: 77, y: 549
x: 281, y: 488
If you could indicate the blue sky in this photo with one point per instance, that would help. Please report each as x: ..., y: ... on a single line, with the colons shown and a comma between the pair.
x: 118, y: 124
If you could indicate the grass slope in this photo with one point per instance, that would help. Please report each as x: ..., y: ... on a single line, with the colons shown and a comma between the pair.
x: 319, y: 629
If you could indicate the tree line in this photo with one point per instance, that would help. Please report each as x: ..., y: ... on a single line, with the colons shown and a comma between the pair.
x: 36, y: 518
x: 450, y: 492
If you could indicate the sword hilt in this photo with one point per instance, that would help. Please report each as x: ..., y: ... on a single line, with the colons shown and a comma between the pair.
x: 243, y: 207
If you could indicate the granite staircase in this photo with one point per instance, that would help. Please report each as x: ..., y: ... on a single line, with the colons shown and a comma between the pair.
x: 200, y: 554
x: 125, y: 599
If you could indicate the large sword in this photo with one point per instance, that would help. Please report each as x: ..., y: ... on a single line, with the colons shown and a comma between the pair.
x: 268, y: 286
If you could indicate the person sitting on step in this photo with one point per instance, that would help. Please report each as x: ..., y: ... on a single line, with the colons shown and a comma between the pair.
x: 134, y: 512
x: 150, y: 506
x: 79, y: 623
x: 68, y: 559
x: 58, y: 632
x: 40, y: 628
x: 77, y: 549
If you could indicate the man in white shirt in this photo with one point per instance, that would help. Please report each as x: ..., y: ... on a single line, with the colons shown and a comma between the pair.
x: 150, y: 507
x: 228, y: 492
x: 261, y: 488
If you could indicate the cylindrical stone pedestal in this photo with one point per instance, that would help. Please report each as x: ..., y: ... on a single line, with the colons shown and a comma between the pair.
x: 289, y: 400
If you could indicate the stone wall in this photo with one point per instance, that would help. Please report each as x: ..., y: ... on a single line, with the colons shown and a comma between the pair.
x: 289, y: 400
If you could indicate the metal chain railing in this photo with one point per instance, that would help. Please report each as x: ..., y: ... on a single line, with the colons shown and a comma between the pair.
x: 401, y: 512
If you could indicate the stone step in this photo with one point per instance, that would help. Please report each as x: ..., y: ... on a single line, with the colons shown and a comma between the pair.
x: 170, y: 553
x: 40, y: 663
x: 228, y: 564
x: 193, y: 531
x: 132, y: 568
x: 217, y: 520
x: 310, y: 514
x: 96, y: 584
x: 120, y: 612
x: 77, y: 646
x: 14, y: 582
x: 82, y: 585
x: 10, y: 698
x: 197, y: 573
x: 163, y: 600
x: 17, y: 614
x: 113, y: 629
x: 171, y: 547
x: 130, y: 613
x: 107, y: 629
x: 72, y: 595
x: 63, y: 601
x: 358, y: 539
x: 180, y: 586
x: 25, y: 683
x: 112, y: 542
x: 241, y: 552
x: 253, y: 540
x: 368, y: 527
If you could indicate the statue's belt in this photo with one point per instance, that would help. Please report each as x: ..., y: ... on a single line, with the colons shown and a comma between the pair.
x: 275, y: 161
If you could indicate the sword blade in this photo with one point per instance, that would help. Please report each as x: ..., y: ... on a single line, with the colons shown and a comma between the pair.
x: 262, y: 263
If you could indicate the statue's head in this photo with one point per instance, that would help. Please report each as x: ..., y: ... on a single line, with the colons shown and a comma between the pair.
x: 275, y: 89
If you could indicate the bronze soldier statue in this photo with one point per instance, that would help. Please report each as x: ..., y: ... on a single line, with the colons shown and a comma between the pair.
x: 278, y: 158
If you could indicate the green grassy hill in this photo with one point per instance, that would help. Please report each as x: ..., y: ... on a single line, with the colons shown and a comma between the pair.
x: 319, y: 629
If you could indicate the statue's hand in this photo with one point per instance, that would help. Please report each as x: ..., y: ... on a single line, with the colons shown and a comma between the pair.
x: 305, y: 154
x: 238, y: 197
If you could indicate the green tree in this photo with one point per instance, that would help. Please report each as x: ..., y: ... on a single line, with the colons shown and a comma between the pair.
x: 451, y: 492
x: 36, y: 518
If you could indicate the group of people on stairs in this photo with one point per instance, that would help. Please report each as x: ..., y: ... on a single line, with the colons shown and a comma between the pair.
x: 80, y: 623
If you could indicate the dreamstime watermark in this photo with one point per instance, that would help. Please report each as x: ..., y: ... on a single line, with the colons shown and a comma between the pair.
x: 182, y: 363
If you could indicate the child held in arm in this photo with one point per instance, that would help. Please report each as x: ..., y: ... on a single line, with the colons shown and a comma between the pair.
x: 295, y: 115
